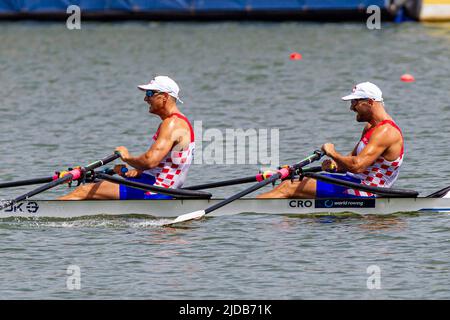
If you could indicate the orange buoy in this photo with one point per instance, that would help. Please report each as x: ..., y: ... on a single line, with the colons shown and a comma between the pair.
x: 407, y: 78
x: 295, y: 56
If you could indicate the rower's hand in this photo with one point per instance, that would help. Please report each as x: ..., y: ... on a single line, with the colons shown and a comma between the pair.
x: 124, y: 154
x: 329, y: 165
x: 133, y: 173
x: 119, y: 169
x: 328, y: 148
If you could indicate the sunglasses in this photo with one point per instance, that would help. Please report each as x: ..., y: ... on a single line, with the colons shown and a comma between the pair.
x: 354, y: 102
x: 151, y: 93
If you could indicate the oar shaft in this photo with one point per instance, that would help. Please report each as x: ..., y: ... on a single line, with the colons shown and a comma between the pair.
x: 222, y: 183
x: 50, y: 185
x: 25, y: 182
x: 102, y: 162
x: 387, y: 192
x: 314, y: 157
x: 29, y: 182
x: 68, y: 177
x: 280, y: 174
x: 72, y: 175
x: 257, y: 186
x: 233, y: 182
x: 178, y: 193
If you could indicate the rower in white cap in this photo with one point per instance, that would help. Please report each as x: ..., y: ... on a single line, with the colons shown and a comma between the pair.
x: 374, y: 161
x: 165, y: 163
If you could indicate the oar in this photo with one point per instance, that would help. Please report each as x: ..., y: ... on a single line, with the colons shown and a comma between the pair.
x: 27, y: 182
x: 74, y: 174
x: 33, y: 181
x: 231, y: 182
x: 386, y: 192
x: 281, y: 174
x: 440, y: 193
x: 177, y: 193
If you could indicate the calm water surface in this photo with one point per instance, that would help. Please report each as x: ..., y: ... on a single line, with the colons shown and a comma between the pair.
x: 70, y: 97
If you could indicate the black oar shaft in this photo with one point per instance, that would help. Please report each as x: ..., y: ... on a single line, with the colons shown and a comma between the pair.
x: 68, y: 177
x: 257, y: 186
x: 27, y: 182
x: 282, y: 173
x: 232, y: 182
x: 439, y: 193
x: 388, y: 192
x: 102, y: 162
x: 314, y: 157
x: 50, y: 185
x: 178, y: 193
x: 225, y: 183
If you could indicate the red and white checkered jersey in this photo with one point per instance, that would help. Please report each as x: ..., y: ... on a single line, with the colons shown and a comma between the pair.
x: 171, y: 172
x: 382, y: 173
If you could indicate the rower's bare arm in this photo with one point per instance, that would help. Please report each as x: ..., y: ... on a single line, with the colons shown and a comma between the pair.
x: 367, y: 127
x: 332, y: 166
x: 341, y: 168
x: 381, y: 139
x: 159, y: 149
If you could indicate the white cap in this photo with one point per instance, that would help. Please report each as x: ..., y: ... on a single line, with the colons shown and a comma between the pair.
x: 163, y: 84
x: 365, y: 90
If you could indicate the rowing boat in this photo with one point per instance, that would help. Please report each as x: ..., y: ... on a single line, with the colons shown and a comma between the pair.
x: 173, y: 208
x: 189, y: 203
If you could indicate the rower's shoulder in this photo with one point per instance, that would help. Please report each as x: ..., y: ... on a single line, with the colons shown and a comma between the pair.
x: 175, y: 127
x: 174, y: 119
x: 388, y: 133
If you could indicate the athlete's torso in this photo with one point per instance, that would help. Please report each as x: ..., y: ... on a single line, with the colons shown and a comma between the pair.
x: 171, y: 172
x: 382, y: 173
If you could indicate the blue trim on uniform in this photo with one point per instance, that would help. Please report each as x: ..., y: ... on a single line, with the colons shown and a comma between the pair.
x: 329, y: 190
x: 129, y: 193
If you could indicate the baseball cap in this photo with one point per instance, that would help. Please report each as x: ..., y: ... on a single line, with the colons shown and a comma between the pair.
x: 163, y: 84
x: 365, y: 90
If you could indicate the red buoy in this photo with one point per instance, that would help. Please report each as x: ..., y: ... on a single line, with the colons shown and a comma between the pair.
x: 407, y: 78
x: 295, y: 56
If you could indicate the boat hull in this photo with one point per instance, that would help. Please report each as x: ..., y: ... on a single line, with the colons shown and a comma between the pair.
x: 174, y: 208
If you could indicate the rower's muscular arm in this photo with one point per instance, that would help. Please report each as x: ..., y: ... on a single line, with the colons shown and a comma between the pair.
x: 159, y: 149
x: 367, y: 127
x: 381, y: 139
x: 328, y: 164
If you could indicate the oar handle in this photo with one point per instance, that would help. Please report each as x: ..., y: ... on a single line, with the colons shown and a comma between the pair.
x: 317, y: 155
x: 102, y: 162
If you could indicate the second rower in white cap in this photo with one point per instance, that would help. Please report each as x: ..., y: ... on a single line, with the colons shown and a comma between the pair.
x: 374, y: 161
